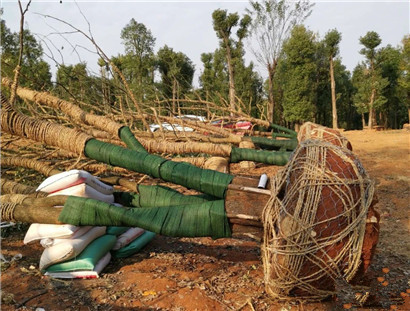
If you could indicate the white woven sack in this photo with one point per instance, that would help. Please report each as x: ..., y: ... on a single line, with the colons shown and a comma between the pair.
x: 71, y: 178
x: 41, y: 231
x: 127, y: 237
x: 48, y: 242
x: 69, y: 249
x: 85, y: 191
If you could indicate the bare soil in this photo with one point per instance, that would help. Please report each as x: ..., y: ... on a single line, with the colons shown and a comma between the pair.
x: 227, y: 274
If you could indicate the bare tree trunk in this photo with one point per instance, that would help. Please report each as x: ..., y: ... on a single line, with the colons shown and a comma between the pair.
x: 232, y: 93
x: 105, y: 90
x: 363, y: 121
x: 333, y: 88
x: 271, y: 103
x: 20, y: 58
x: 174, y: 96
x: 271, y: 99
x: 408, y: 111
x: 371, y: 110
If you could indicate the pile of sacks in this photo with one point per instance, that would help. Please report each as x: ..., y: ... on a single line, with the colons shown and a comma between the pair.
x: 82, y: 252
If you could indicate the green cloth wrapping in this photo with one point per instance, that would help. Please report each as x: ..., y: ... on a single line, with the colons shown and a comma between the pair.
x: 135, y: 246
x: 274, y: 144
x: 276, y: 135
x: 88, y: 257
x: 283, y: 129
x: 261, y: 156
x: 207, y: 181
x: 116, y: 230
x: 199, y: 220
x: 157, y: 196
x: 129, y: 139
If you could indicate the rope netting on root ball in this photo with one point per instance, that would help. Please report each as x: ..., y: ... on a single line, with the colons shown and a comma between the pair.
x: 311, y: 130
x: 315, y: 223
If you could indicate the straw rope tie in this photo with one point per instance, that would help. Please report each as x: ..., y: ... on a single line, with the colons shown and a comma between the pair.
x: 7, y: 211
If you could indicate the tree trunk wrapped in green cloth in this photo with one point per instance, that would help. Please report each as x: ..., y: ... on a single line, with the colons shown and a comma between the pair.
x: 198, y: 220
x: 158, y: 196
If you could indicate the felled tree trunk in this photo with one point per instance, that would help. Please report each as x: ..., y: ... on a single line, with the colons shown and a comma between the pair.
x: 100, y: 122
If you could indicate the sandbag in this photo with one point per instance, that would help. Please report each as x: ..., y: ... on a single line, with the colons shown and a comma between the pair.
x: 70, y: 248
x: 116, y: 230
x: 88, y: 258
x: 85, y: 191
x: 83, y: 274
x: 43, y: 231
x: 71, y: 178
x: 127, y: 237
x: 134, y: 246
x: 48, y: 242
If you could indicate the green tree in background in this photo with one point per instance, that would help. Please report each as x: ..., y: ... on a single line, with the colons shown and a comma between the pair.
x: 332, y: 40
x: 138, y: 63
x: 348, y: 118
x: 368, y: 95
x: 249, y: 89
x: 404, y: 79
x: 223, y: 24
x: 105, y: 84
x: 272, y: 23
x: 214, y: 80
x: 388, y: 61
x: 298, y: 70
x: 74, y: 83
x: 177, y: 72
x: 322, y: 99
x: 35, y: 72
x: 370, y: 42
x: 362, y: 89
x: 346, y: 113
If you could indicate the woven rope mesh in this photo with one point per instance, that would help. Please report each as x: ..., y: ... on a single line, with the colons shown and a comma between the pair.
x: 315, y: 222
x: 311, y: 130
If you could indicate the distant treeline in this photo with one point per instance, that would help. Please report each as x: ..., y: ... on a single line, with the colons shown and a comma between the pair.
x: 306, y: 78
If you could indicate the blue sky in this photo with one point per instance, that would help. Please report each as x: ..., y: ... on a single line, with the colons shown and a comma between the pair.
x: 186, y: 26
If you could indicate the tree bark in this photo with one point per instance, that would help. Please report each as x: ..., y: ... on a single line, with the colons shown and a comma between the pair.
x: 174, y: 96
x: 333, y: 89
x: 408, y: 111
x: 232, y: 93
x: 271, y: 100
x: 371, y: 110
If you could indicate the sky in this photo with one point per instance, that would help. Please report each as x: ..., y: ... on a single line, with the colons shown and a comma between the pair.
x: 186, y: 26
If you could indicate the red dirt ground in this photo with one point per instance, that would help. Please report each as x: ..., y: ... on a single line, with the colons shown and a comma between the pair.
x: 225, y: 274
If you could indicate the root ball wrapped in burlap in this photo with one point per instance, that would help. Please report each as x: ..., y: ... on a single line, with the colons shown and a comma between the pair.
x: 315, y: 222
